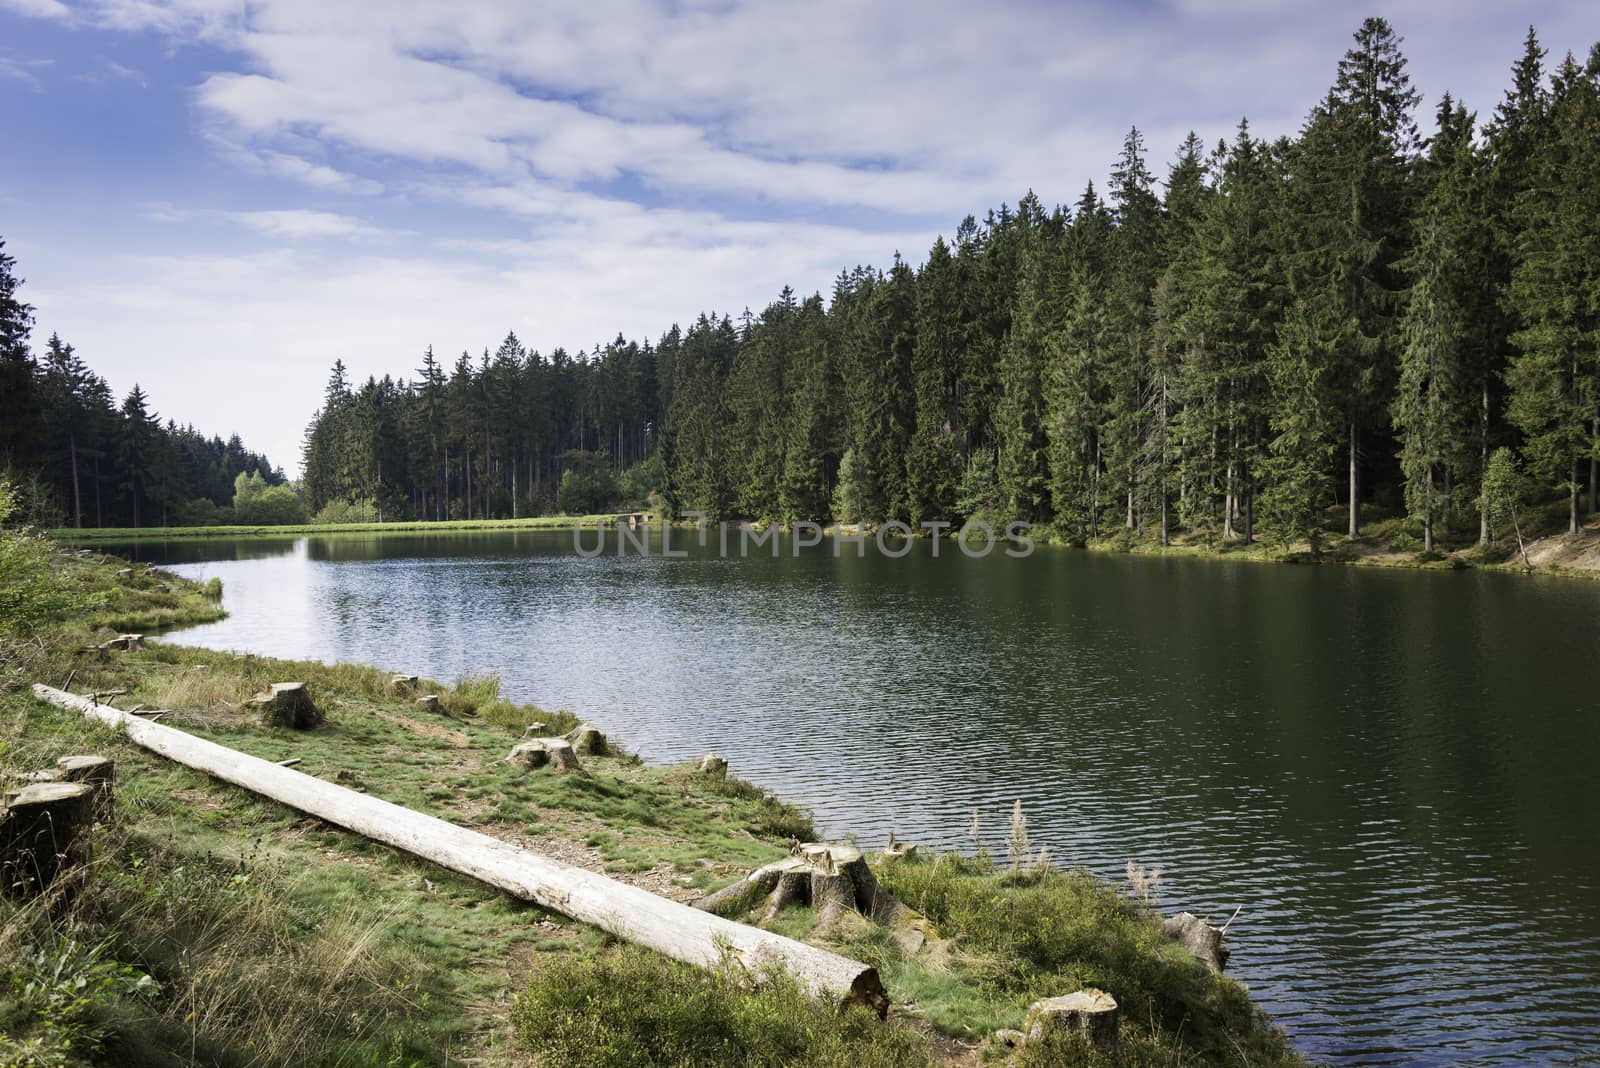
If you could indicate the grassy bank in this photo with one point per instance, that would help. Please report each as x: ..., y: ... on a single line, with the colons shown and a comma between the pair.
x: 1391, y: 542
x: 90, y: 535
x: 225, y: 929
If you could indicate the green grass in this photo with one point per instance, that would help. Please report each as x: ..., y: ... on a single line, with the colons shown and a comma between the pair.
x: 89, y: 535
x: 634, y: 1008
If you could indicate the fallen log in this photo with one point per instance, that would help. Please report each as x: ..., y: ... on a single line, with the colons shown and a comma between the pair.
x: 628, y: 912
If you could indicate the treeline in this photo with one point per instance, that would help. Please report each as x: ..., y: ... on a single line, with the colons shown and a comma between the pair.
x: 1276, y: 333
x: 80, y: 458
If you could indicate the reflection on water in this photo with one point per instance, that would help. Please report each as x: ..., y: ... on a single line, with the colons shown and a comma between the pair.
x: 1388, y: 773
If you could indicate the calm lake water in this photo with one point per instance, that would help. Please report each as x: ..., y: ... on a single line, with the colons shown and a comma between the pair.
x: 1391, y: 775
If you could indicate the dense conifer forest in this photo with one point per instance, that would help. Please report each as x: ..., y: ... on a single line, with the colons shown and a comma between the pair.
x: 1268, y: 335
x: 80, y: 458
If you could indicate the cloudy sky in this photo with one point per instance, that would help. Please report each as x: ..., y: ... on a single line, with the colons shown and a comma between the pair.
x: 217, y: 198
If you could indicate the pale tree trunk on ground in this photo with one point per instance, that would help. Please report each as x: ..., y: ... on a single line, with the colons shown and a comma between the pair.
x: 628, y: 912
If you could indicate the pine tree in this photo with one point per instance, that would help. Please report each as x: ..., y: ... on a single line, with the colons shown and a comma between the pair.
x: 19, y: 406
x: 933, y: 465
x: 1350, y: 202
x: 1074, y: 363
x: 1135, y: 262
x: 1555, y: 287
x: 1428, y: 400
x: 1513, y: 140
x: 1022, y: 454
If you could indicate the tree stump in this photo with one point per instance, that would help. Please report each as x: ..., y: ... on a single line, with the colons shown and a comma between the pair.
x: 1090, y: 1013
x: 556, y: 753
x: 535, y: 730
x: 894, y: 850
x: 713, y: 765
x: 43, y: 835
x: 563, y: 757
x: 529, y: 755
x: 833, y: 879
x: 588, y: 739
x: 1199, y: 938
x: 28, y: 778
x: 402, y: 683
x: 97, y: 772
x: 428, y: 702
x: 127, y: 643
x: 288, y: 705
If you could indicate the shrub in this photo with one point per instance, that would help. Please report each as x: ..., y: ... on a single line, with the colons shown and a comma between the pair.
x: 255, y: 503
x: 635, y: 1008
x: 587, y: 484
x: 644, y: 484
x: 31, y: 590
x: 342, y: 511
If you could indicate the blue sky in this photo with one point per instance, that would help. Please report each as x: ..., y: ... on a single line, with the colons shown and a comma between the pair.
x: 217, y: 198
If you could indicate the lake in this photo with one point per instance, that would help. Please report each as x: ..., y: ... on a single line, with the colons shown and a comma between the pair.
x: 1390, y: 775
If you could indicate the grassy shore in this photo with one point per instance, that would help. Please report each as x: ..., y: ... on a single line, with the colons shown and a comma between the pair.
x: 229, y: 930
x: 89, y: 535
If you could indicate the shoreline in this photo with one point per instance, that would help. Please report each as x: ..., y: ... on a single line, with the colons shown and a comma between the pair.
x: 666, y: 828
x: 1340, y: 552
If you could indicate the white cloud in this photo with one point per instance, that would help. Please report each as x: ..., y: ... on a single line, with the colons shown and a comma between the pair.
x: 299, y: 224
x: 39, y: 9
x: 22, y: 71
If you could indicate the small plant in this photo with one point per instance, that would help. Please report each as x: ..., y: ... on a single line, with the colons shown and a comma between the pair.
x: 61, y: 989
x: 1020, y: 850
x: 1142, y: 883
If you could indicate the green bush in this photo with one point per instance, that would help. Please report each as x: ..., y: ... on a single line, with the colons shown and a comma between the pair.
x: 346, y: 512
x: 257, y: 504
x: 587, y: 484
x: 32, y: 592
x: 644, y: 484
x: 635, y: 1008
x: 202, y: 512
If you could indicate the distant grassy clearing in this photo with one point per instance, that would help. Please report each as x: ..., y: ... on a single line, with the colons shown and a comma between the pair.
x: 86, y: 535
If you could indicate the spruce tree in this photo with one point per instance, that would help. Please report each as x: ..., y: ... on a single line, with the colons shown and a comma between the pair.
x: 933, y: 465
x: 1554, y: 379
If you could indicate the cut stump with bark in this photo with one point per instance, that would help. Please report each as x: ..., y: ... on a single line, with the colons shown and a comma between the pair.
x: 713, y: 765
x: 43, y: 835
x: 1199, y: 938
x: 588, y: 739
x: 555, y: 753
x: 402, y: 683
x: 127, y: 643
x: 529, y: 755
x: 535, y: 730
x: 288, y: 704
x: 1089, y: 1013
x: 831, y: 878
x: 428, y: 702
x: 97, y: 772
